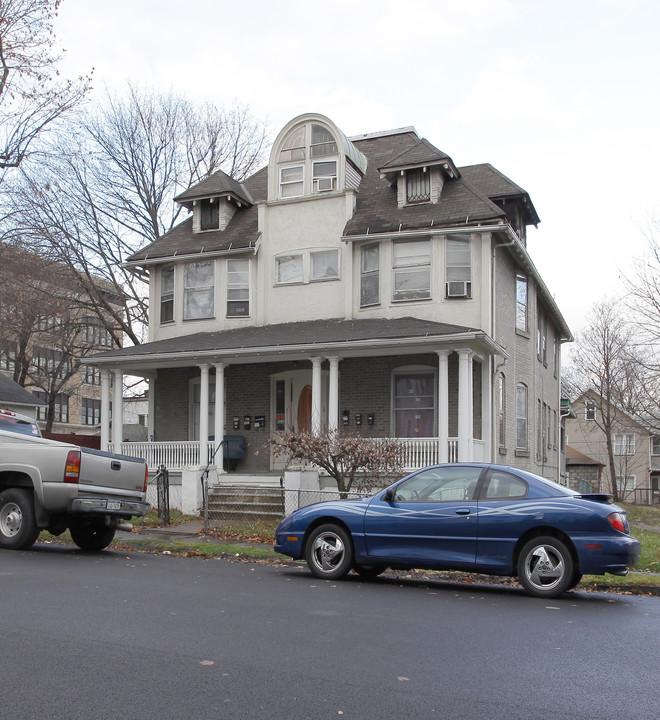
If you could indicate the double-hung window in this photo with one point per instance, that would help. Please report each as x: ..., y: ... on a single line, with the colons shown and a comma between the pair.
x: 198, y: 292
x: 655, y: 445
x: 238, y: 288
x: 501, y: 412
x: 292, y: 181
x: 521, y: 303
x: 521, y: 416
x: 167, y: 294
x: 412, y: 270
x: 324, y: 175
x: 370, y: 274
x: 458, y: 271
x: 91, y: 411
x: 624, y: 444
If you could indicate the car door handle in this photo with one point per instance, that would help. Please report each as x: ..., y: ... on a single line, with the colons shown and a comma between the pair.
x: 463, y: 511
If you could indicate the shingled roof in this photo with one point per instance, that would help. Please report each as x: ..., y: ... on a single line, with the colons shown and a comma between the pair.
x: 213, y: 186
x: 12, y: 392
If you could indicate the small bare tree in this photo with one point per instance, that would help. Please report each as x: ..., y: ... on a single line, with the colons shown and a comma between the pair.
x: 32, y: 96
x: 343, y: 457
x: 608, y: 365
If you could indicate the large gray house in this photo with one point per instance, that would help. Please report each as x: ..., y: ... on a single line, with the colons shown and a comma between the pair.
x: 364, y: 284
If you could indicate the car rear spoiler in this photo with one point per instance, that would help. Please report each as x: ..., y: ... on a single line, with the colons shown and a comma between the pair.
x: 597, y: 497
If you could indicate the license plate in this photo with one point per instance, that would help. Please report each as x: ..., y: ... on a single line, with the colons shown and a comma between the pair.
x: 114, y: 505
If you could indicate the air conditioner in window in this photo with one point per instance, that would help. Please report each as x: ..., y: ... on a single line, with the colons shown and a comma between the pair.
x: 323, y: 184
x: 458, y: 289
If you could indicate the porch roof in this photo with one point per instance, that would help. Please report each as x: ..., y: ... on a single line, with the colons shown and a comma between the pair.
x: 345, y: 338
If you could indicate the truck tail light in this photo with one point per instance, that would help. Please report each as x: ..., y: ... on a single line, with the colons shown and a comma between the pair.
x: 146, y: 478
x: 72, y: 468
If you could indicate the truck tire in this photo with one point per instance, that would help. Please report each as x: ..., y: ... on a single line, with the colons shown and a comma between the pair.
x: 18, y: 527
x: 91, y: 535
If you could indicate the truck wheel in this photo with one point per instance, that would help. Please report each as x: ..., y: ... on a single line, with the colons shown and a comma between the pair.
x: 18, y: 528
x: 91, y: 535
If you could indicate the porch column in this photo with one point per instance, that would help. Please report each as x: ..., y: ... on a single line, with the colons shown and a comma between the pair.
x: 203, y: 414
x: 316, y: 395
x: 219, y: 429
x: 117, y: 409
x: 333, y: 395
x: 443, y: 405
x: 464, y: 405
x: 105, y: 408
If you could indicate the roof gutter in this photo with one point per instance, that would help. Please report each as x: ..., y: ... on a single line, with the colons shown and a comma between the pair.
x: 159, y: 260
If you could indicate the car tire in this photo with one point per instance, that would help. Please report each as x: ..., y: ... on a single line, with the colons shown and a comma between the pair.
x: 329, y: 552
x: 90, y: 535
x: 545, y: 567
x: 18, y: 527
x: 369, y: 571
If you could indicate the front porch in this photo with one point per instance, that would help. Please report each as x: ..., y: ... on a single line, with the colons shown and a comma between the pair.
x: 188, y: 455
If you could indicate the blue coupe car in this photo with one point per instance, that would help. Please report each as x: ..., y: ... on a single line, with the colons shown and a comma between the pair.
x: 473, y: 517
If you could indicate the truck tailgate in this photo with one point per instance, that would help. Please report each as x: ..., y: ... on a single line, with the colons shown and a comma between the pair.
x: 110, y: 473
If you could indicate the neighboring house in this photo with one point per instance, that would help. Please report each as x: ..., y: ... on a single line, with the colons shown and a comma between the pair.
x: 46, y: 328
x: 584, y: 473
x: 136, y: 414
x: 636, y: 449
x: 367, y: 285
x: 17, y: 399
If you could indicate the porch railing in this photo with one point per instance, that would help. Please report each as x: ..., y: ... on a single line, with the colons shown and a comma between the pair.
x: 419, y: 452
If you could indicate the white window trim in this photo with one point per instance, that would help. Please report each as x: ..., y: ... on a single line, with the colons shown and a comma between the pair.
x: 311, y: 265
x: 282, y: 183
x: 249, y: 289
x: 297, y: 281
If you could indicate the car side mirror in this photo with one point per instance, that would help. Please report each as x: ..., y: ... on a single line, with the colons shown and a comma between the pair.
x: 389, y: 495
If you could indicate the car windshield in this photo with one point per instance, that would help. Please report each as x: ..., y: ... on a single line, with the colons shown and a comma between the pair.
x: 16, y: 425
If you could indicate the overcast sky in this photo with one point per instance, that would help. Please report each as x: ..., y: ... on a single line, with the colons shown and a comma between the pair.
x: 561, y: 96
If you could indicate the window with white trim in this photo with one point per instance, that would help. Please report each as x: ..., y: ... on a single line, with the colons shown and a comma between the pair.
x: 199, y: 290
x: 370, y: 274
x: 412, y: 270
x: 626, y: 484
x: 655, y: 445
x: 238, y: 287
x: 414, y: 403
x: 624, y: 444
x: 324, y: 265
x: 167, y: 294
x: 590, y: 410
x: 324, y: 175
x: 292, y: 181
x: 288, y: 269
x: 458, y: 267
x: 501, y: 411
x: 311, y: 147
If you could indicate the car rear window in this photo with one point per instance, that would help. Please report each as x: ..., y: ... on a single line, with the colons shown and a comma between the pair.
x: 17, y: 425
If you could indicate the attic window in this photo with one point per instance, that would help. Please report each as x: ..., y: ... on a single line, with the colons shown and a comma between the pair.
x: 418, y: 186
x: 323, y: 142
x: 209, y: 215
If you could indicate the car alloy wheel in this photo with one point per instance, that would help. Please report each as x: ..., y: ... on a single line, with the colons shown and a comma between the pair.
x: 545, y: 567
x: 329, y: 552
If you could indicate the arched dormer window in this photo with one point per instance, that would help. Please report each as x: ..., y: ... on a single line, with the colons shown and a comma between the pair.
x: 311, y: 157
x: 308, y: 162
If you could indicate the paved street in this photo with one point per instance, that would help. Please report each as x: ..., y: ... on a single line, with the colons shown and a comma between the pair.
x: 143, y: 636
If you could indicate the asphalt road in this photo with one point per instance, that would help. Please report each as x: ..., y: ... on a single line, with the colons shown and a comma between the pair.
x: 144, y: 636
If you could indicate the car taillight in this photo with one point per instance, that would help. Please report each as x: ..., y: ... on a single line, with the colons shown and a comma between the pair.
x: 617, y: 522
x: 72, y: 467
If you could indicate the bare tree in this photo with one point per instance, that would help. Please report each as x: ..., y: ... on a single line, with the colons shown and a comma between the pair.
x: 32, y: 95
x: 607, y: 364
x: 343, y: 457
x: 107, y: 188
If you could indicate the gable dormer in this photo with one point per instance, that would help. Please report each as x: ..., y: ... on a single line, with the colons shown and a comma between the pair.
x: 419, y: 174
x: 214, y: 201
x: 312, y: 157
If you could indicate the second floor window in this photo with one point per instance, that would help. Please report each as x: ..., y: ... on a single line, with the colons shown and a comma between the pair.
x: 590, y: 410
x: 238, y: 288
x: 624, y: 444
x: 91, y: 375
x: 289, y: 269
x: 8, y: 356
x: 501, y: 412
x: 655, y: 445
x: 324, y: 265
x: 369, y: 274
x: 198, y: 295
x: 412, y: 270
x: 458, y: 271
x: 521, y: 303
x: 167, y: 294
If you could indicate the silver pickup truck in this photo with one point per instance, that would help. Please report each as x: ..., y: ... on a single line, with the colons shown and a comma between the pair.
x: 46, y: 484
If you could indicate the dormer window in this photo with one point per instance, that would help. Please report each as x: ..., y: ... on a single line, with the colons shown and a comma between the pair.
x: 209, y: 215
x: 323, y: 142
x: 325, y: 175
x: 418, y: 186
